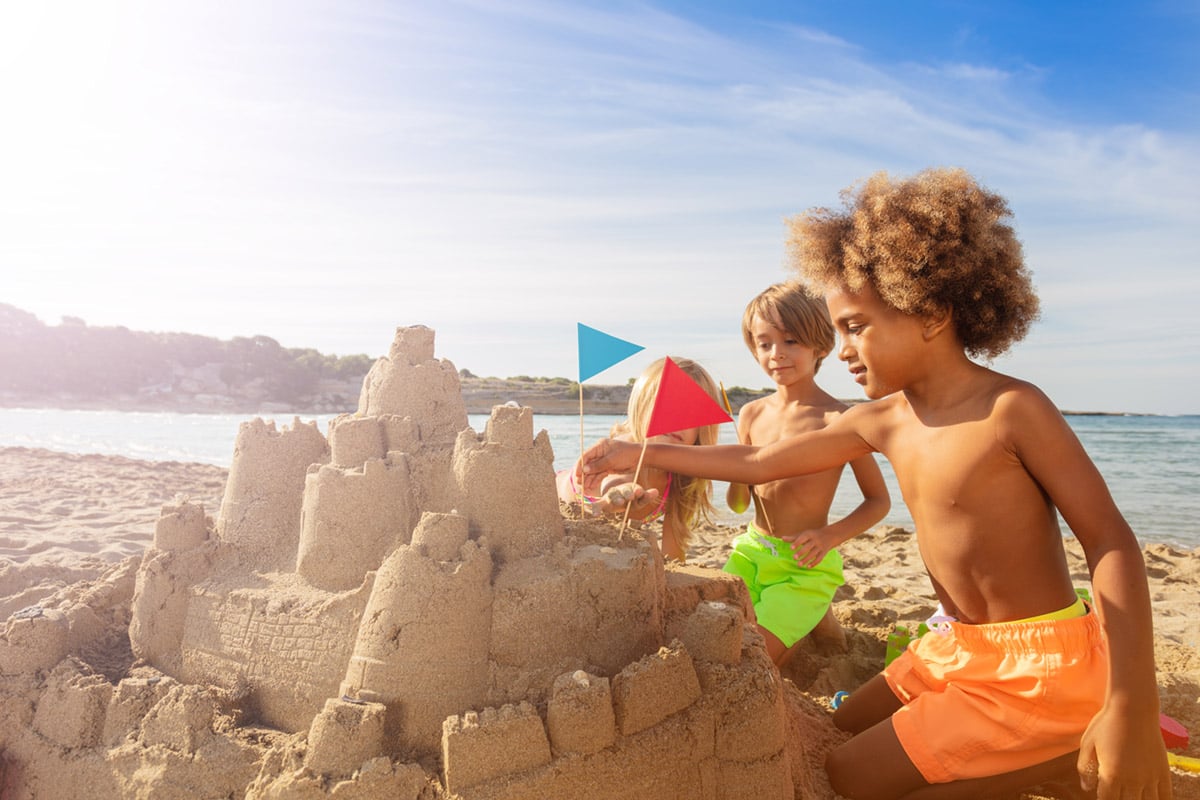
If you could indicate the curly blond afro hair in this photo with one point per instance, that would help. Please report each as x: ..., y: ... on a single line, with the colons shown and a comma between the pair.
x: 934, y: 242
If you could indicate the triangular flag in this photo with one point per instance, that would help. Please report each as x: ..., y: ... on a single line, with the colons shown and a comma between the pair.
x: 682, y: 403
x: 598, y: 351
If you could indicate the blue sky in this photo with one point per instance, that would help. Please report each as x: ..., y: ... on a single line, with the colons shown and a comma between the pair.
x: 323, y: 172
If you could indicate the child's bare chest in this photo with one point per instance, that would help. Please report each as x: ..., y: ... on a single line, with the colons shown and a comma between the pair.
x: 956, y: 473
x: 770, y: 428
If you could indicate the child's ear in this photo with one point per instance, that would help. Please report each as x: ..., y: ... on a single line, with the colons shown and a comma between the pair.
x: 936, y: 322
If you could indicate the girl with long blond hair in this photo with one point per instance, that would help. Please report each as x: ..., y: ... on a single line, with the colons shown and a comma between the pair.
x: 680, y: 501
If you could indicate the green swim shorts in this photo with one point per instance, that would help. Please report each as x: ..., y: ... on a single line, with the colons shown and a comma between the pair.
x: 789, y: 600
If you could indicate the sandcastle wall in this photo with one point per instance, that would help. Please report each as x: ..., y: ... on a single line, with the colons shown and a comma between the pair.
x: 667, y: 725
x: 594, y: 606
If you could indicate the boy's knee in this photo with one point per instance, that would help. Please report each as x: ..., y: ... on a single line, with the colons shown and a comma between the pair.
x: 851, y: 777
x: 841, y: 770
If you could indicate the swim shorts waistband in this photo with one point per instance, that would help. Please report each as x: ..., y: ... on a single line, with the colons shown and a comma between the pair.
x: 772, y: 543
x: 1028, y: 636
x: 1076, y: 609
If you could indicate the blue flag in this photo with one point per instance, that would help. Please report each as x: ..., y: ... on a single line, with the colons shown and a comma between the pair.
x: 598, y: 351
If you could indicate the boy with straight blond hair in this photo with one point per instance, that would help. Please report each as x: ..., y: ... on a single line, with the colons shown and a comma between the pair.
x: 1025, y: 683
x: 787, y: 555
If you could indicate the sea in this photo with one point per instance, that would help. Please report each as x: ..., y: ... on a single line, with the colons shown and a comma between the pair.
x: 1151, y: 463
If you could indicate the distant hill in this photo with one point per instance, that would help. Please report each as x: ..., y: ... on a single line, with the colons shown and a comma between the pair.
x: 74, y: 365
x: 77, y: 365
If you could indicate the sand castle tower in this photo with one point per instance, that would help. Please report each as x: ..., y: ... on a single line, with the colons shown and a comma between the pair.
x: 389, y: 463
x: 422, y: 648
x: 260, y: 511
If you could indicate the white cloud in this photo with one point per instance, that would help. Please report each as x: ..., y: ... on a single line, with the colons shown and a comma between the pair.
x: 499, y: 172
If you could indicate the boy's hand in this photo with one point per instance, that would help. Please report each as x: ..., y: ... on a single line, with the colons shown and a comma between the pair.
x: 1122, y: 756
x: 609, y: 455
x: 810, y: 547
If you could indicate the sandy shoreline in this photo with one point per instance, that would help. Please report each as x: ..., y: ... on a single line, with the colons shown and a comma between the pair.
x: 67, y: 519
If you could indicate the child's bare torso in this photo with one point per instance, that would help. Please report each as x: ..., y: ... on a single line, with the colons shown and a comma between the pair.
x: 788, y: 506
x: 987, y: 533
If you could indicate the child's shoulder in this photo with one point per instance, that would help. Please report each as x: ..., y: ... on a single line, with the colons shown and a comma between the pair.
x: 1017, y: 403
x: 1008, y: 394
x: 754, y: 407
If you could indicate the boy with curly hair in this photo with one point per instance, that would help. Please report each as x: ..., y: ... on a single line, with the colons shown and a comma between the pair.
x: 1025, y: 682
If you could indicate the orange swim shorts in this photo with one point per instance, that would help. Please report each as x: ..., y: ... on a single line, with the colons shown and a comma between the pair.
x: 989, y: 699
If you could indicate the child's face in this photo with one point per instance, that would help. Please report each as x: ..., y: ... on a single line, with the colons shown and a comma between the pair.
x: 780, y: 354
x: 878, y: 343
x: 686, y: 436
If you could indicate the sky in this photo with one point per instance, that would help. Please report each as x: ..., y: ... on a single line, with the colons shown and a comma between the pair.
x: 324, y: 172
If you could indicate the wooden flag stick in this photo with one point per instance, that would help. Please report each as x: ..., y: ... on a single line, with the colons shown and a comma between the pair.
x: 725, y: 397
x: 629, y: 503
x: 580, y: 486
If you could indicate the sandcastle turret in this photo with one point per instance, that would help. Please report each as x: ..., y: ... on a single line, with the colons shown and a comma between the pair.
x: 389, y: 462
x: 422, y: 647
x: 260, y: 512
x: 176, y: 560
x: 352, y: 518
x: 410, y: 382
x: 505, y: 482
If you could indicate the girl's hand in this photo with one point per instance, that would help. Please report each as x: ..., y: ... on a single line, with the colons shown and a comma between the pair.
x: 641, y: 501
x: 810, y: 547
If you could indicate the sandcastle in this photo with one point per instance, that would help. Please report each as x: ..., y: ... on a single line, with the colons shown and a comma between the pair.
x: 399, y: 609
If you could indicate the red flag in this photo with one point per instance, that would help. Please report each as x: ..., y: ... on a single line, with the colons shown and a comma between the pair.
x: 681, y: 403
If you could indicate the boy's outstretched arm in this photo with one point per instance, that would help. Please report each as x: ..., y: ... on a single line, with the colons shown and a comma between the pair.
x: 811, y: 452
x: 1121, y: 753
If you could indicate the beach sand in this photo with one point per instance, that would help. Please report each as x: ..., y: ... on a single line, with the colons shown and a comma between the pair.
x: 73, y: 530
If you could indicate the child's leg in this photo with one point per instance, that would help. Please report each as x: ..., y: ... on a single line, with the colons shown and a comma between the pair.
x: 776, y: 649
x: 830, y: 631
x: 892, y: 775
x: 872, y: 765
x: 866, y: 706
x: 674, y: 539
x: 1060, y: 769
